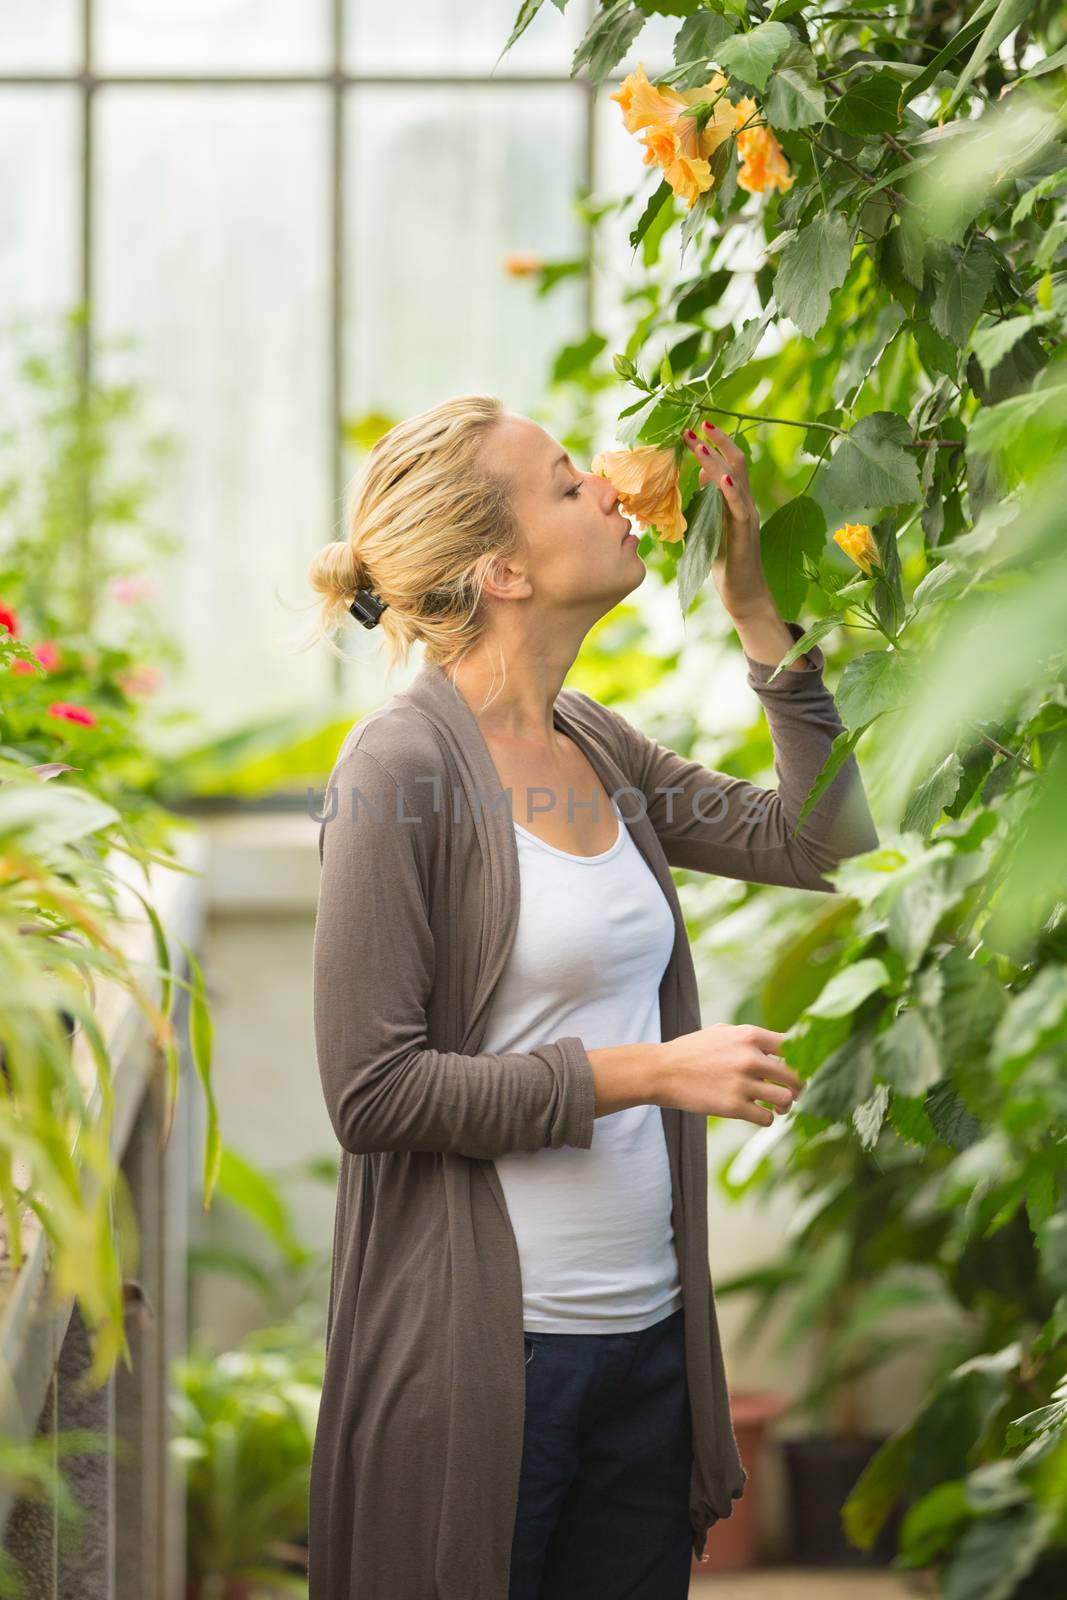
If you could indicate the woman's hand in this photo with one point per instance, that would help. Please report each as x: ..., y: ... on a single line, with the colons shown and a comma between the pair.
x: 725, y: 1071
x: 737, y: 570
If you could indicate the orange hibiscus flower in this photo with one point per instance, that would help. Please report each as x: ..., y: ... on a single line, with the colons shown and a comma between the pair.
x: 671, y: 137
x: 763, y: 162
x: 646, y: 480
x: 522, y: 264
x: 673, y: 142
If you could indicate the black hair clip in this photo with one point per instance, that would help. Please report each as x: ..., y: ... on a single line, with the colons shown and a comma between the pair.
x: 367, y: 608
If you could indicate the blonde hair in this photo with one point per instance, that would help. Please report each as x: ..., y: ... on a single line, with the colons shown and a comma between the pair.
x: 424, y: 523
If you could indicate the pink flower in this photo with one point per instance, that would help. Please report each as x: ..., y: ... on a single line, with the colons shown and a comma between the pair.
x: 140, y: 679
x: 71, y: 713
x: 9, y: 620
x: 47, y: 653
x: 129, y: 590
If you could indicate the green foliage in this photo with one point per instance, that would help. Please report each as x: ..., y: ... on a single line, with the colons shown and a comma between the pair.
x: 73, y: 806
x: 911, y: 282
x: 243, y: 1431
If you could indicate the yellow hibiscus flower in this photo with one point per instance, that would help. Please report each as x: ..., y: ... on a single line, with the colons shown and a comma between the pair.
x: 857, y: 541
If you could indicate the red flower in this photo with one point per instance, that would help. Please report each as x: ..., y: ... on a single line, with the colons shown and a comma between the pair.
x: 47, y: 653
x: 71, y: 713
x: 9, y: 620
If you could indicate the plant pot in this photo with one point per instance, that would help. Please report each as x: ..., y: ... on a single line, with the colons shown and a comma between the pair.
x: 821, y: 1472
x: 732, y: 1541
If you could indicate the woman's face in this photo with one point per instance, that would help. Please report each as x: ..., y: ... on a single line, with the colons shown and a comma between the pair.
x: 579, y: 548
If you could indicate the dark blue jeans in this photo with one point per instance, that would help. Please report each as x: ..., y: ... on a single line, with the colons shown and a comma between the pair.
x: 606, y: 1459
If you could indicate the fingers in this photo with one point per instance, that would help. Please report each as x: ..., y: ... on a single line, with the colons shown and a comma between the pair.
x: 713, y: 444
x: 766, y: 1039
x: 731, y: 452
x: 767, y: 1065
x: 777, y: 1094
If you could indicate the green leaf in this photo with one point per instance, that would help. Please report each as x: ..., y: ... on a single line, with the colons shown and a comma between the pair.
x: 812, y: 265
x: 795, y: 530
x: 795, y: 97
x: 871, y: 466
x: 842, y: 747
x: 752, y: 55
x: 612, y: 32
x: 964, y: 280
x: 953, y: 1122
x: 698, y: 39
x: 925, y: 806
x: 656, y: 201
x: 996, y: 1553
x: 1052, y: 1246
x: 42, y: 816
x: 201, y: 1048
x: 872, y: 684
x: 701, y: 546
x: 574, y: 358
x: 1046, y: 1419
x: 870, y: 106
x: 812, y: 635
x: 867, y: 1119
x: 1041, y: 409
x: 906, y: 1055
x: 934, y: 1522
x: 1034, y: 1018
x: 993, y: 342
x: 910, y: 1121
x: 849, y: 987
x: 1008, y: 15
x: 917, y: 909
x: 947, y: 53
x: 527, y: 11
x: 842, y: 1082
x: 742, y: 347
x: 698, y: 213
x: 887, y: 594
x: 878, y: 1489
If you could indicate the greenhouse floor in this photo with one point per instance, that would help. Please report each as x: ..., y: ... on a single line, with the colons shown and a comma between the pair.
x: 805, y: 1583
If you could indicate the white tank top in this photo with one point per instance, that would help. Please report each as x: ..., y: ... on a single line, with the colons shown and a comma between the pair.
x: 596, y: 1245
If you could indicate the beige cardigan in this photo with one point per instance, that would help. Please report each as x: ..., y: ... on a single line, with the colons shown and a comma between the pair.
x: 415, y: 1471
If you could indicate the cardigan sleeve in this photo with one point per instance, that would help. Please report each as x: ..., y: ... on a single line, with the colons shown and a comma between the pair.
x: 710, y: 822
x: 374, y: 963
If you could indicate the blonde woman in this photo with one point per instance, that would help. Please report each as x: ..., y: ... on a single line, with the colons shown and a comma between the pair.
x: 524, y: 1392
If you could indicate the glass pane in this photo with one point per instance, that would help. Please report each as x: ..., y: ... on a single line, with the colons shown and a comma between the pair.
x: 430, y: 307
x: 211, y: 35
x: 39, y: 36
x: 459, y: 36
x: 39, y: 270
x: 212, y: 249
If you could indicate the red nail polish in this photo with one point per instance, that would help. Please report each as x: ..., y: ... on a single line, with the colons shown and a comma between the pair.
x: 729, y: 480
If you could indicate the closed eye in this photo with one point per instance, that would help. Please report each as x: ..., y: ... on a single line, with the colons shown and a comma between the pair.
x: 572, y: 494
